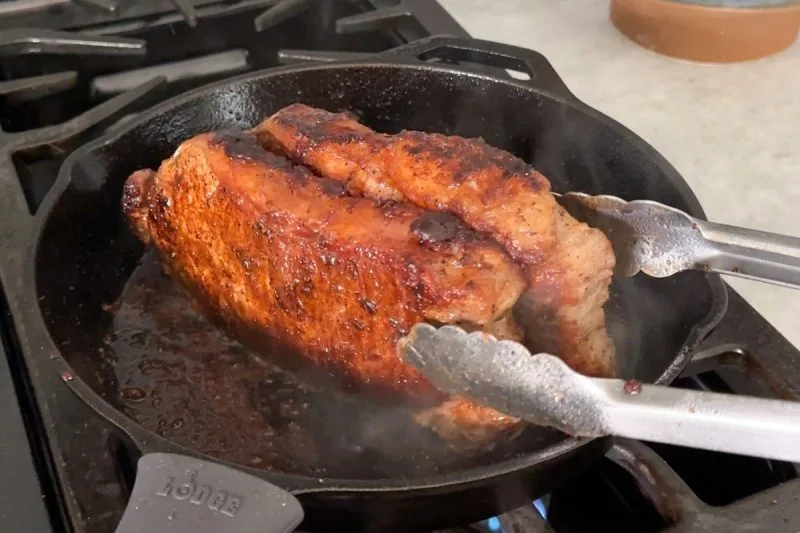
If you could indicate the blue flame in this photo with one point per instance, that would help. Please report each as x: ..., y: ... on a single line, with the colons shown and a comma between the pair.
x: 540, y: 505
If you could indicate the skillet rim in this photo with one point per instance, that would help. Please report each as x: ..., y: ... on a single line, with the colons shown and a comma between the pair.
x: 146, y: 440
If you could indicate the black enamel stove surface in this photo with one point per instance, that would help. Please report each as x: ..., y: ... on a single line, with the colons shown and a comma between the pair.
x: 67, y: 471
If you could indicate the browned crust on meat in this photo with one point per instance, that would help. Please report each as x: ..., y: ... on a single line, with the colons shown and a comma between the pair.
x: 466, y: 425
x: 565, y: 298
x: 481, y: 185
x: 568, y: 264
x: 134, y: 198
x: 299, y: 270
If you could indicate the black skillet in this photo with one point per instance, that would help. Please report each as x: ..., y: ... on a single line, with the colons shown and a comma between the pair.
x: 172, y: 384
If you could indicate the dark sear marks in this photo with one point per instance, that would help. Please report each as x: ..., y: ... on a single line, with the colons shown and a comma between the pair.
x: 239, y: 145
x: 332, y: 187
x: 433, y: 227
x: 346, y: 129
x: 472, y: 155
x: 430, y: 227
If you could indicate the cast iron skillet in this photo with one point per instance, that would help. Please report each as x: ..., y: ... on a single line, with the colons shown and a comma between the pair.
x: 172, y: 384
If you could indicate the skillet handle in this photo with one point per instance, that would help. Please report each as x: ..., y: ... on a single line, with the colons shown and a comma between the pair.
x: 180, y: 494
x: 489, y: 53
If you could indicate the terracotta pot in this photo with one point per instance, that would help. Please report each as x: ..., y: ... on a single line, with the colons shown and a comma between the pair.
x: 706, y: 33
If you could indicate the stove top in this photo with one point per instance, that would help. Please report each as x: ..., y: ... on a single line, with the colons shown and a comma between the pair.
x: 69, y: 470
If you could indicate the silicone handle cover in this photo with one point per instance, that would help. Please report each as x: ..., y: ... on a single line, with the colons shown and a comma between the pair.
x: 179, y: 494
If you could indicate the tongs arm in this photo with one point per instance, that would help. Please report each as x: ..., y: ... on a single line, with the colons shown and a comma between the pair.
x: 751, y: 254
x: 712, y: 421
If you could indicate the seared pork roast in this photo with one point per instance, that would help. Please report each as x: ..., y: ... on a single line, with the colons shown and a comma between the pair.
x: 318, y: 243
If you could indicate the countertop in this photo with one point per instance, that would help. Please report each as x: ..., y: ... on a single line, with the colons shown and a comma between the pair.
x: 733, y: 130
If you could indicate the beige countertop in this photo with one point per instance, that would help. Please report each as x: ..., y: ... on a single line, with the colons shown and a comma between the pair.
x: 733, y: 131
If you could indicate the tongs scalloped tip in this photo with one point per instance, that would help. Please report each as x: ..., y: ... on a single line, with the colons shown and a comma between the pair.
x: 504, y: 375
x: 647, y: 236
x: 660, y: 241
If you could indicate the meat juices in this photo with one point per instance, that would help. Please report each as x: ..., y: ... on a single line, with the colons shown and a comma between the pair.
x: 321, y: 282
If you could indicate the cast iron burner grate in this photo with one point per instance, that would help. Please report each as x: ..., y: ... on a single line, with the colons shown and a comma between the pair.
x: 80, y: 67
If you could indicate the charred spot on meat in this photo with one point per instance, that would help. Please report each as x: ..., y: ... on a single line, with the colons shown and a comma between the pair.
x: 246, y: 147
x: 432, y: 227
x: 332, y: 187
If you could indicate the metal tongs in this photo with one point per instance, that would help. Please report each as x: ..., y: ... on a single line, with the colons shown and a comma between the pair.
x: 661, y: 241
x: 543, y: 390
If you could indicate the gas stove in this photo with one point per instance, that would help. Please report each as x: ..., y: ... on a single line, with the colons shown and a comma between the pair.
x: 67, y: 469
